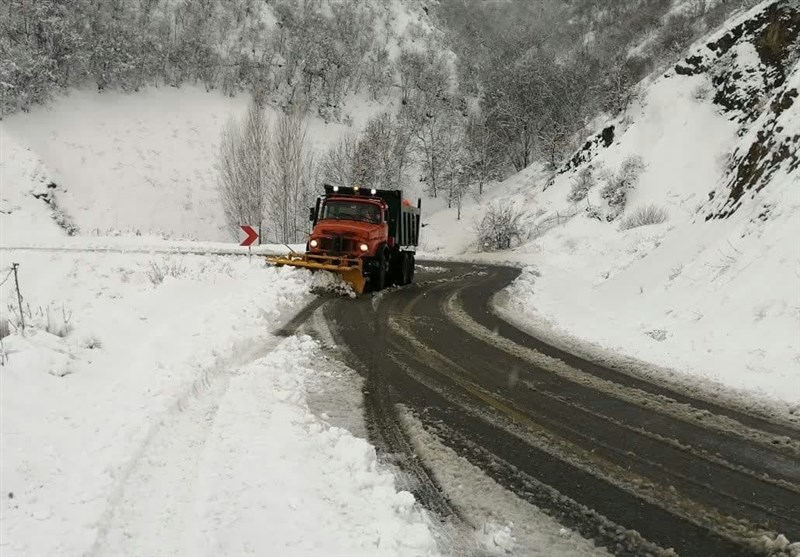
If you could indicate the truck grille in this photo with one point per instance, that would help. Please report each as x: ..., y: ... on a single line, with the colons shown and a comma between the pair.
x: 338, y: 244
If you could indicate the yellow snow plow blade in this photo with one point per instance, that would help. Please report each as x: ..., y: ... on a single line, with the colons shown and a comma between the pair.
x: 350, y: 269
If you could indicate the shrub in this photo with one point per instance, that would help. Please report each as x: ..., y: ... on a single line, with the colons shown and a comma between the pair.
x: 584, y: 181
x: 615, y: 192
x: 593, y: 213
x: 644, y: 216
x: 500, y: 227
x: 51, y: 318
x: 64, y: 220
x: 159, y: 271
x: 57, y: 320
x: 701, y: 92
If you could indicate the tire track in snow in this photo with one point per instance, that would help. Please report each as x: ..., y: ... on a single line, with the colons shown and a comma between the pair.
x: 600, y: 457
x: 159, y: 479
x: 685, y: 472
x: 155, y: 504
x: 395, y: 447
x: 776, y: 454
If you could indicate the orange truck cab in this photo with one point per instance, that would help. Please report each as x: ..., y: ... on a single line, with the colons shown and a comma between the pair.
x: 378, y: 229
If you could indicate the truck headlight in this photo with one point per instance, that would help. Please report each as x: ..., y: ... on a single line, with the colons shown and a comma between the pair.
x: 364, y: 247
x: 313, y: 243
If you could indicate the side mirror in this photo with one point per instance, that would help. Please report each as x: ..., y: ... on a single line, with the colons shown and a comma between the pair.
x: 312, y: 214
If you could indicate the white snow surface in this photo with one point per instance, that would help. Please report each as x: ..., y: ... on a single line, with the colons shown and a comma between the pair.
x: 149, y: 408
x: 296, y: 501
x: 142, y: 163
x: 165, y: 417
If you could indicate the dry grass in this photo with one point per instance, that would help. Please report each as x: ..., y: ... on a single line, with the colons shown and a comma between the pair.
x: 644, y: 216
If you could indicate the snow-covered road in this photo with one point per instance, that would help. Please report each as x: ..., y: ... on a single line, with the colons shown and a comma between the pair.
x: 639, y: 464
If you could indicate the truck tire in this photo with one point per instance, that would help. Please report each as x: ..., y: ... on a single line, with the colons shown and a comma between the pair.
x: 396, y: 269
x: 405, y: 270
x: 381, y: 275
x: 411, y: 267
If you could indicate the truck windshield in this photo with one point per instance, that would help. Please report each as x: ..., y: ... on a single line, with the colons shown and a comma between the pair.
x: 351, y: 210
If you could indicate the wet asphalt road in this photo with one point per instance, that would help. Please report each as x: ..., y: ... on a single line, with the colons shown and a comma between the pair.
x: 638, y: 466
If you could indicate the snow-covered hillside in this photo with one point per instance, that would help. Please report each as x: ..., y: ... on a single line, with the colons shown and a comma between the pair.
x: 141, y: 163
x: 146, y: 162
x: 715, y: 290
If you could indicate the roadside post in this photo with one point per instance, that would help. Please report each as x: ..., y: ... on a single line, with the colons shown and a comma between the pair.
x: 252, y: 236
x: 14, y: 266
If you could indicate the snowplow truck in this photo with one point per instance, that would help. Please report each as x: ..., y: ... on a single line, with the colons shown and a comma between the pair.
x: 366, y: 235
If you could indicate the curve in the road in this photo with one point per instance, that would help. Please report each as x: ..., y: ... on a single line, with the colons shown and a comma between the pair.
x: 633, y: 464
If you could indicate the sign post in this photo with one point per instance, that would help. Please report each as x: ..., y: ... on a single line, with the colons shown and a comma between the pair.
x: 252, y: 236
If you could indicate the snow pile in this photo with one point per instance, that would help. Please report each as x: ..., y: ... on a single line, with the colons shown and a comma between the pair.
x: 504, y: 523
x: 275, y: 476
x: 117, y: 348
x: 143, y: 333
x: 714, y: 290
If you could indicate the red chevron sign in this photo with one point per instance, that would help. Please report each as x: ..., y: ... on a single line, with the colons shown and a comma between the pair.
x: 252, y: 235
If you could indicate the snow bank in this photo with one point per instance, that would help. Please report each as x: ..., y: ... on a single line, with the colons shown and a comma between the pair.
x: 275, y: 477
x: 143, y: 333
x: 117, y: 347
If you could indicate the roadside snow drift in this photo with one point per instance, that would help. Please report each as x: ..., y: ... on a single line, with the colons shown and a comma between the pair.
x: 276, y: 479
x: 142, y: 411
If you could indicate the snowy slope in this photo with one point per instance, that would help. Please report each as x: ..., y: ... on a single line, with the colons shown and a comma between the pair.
x: 144, y: 162
x: 25, y: 210
x: 139, y: 163
x: 715, y: 291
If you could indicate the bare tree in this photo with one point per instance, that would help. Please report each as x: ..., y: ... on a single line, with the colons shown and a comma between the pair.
x: 244, y: 168
x: 382, y: 153
x: 483, y: 160
x: 455, y: 180
x: 338, y: 163
x: 286, y: 185
x: 619, y: 86
x: 311, y: 180
x: 435, y: 135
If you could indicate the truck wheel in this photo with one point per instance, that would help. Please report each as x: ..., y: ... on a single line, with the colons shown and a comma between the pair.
x: 405, y: 269
x: 396, y: 269
x: 381, y: 273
